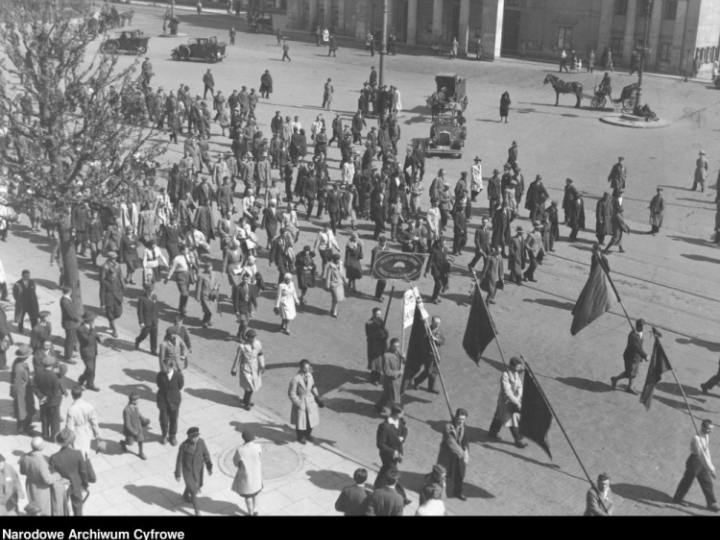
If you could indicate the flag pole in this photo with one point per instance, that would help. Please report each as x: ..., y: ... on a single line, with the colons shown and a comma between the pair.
x: 436, y: 354
x: 567, y: 438
x: 478, y: 290
x: 387, y: 310
x: 617, y: 295
x: 402, y: 326
x: 692, y: 417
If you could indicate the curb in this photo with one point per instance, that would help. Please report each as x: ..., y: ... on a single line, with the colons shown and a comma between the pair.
x: 634, y: 122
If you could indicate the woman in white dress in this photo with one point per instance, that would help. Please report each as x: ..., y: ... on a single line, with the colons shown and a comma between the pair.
x: 248, y: 479
x: 335, y: 281
x: 250, y: 363
x: 290, y: 222
x: 286, y: 302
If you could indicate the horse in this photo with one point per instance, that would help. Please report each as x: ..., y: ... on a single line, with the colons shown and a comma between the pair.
x: 562, y: 87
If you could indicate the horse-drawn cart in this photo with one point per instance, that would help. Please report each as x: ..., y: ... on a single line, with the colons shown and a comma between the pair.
x: 627, y: 101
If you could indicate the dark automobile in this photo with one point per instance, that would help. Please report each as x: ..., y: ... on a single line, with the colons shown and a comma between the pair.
x: 134, y: 42
x: 260, y: 23
x: 447, y: 136
x: 205, y: 49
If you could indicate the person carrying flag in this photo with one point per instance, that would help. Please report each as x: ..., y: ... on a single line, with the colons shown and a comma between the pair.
x: 633, y: 355
x: 699, y: 465
x: 509, y: 403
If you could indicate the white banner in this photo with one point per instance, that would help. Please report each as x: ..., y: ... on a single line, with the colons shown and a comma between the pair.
x: 408, y: 308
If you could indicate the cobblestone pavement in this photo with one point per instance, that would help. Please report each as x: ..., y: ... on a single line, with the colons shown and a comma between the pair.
x: 666, y: 279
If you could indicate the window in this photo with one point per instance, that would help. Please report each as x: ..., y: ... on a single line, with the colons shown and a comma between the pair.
x: 643, y: 8
x: 670, y: 11
x: 617, y: 46
x: 665, y: 52
x: 621, y: 7
x: 565, y: 34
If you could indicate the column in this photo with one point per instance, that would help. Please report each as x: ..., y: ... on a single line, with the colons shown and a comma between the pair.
x: 464, y: 23
x: 327, y: 12
x: 654, y: 39
x: 412, y: 22
x: 492, y: 24
x: 341, y: 17
x: 437, y: 22
x: 605, y: 30
x: 629, y: 37
x: 312, y: 15
x: 678, y: 57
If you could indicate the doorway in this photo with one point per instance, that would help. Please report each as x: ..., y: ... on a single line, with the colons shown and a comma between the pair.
x: 511, y: 31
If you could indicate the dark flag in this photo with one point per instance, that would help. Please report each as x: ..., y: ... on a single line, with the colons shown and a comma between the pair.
x: 535, y: 417
x: 480, y: 329
x: 597, y: 297
x: 418, y: 347
x: 659, y: 364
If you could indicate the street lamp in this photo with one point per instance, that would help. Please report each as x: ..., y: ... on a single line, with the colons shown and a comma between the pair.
x: 383, y: 44
x: 645, y: 49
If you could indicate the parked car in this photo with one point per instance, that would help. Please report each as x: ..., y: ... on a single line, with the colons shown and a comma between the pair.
x: 134, y: 42
x: 205, y: 49
x: 447, y: 136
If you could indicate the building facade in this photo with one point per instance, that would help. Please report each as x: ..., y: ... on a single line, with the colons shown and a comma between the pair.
x: 677, y: 30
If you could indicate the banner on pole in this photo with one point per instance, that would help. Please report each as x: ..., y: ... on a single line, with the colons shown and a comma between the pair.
x: 409, y: 303
x: 405, y: 266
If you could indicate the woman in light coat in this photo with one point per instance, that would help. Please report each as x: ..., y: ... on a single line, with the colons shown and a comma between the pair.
x: 303, y: 394
x: 335, y: 280
x: 250, y: 362
x: 509, y: 402
x: 248, y: 479
x: 286, y: 301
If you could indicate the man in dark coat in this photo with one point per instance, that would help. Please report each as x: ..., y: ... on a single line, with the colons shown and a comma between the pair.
x: 193, y: 455
x: 439, y: 266
x: 618, y: 175
x: 49, y: 391
x: 455, y: 453
x: 21, y: 390
x: 513, y: 156
x: 571, y: 194
x: 70, y: 464
x: 430, y: 369
x: 482, y: 243
x: 576, y: 217
x: 377, y: 337
x: 333, y: 207
x: 170, y: 382
x: 148, y: 318
x: 536, y: 197
x: 657, y: 209
x: 26, y: 301
x: 270, y: 221
x: 618, y: 227
x: 266, y: 84
x: 70, y: 322
x: 391, y: 435
x: 358, y: 124
x: 633, y: 355
x: 518, y: 257
x: 501, y: 232
x: 387, y: 501
x: 88, y: 351
x: 353, y: 500
x: 603, y: 218
x: 244, y: 303
x: 494, y: 191
x: 459, y: 230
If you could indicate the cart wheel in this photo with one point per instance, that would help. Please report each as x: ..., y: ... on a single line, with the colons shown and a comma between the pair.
x: 627, y: 105
x: 603, y: 102
x: 142, y: 49
x: 595, y: 103
x: 175, y: 56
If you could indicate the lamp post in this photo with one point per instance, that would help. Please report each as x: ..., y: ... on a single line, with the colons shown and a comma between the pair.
x: 645, y: 49
x: 383, y: 44
x: 172, y: 9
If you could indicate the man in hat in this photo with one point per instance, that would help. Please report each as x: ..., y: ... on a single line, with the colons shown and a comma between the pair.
x: 244, y: 303
x: 70, y: 322
x: 21, y: 390
x: 536, y: 197
x: 87, y: 337
x: 134, y: 425
x: 571, y: 193
x: 41, y: 332
x: 328, y: 94
x: 603, y: 218
x: 376, y: 336
x: 535, y: 251
x: 147, y: 71
x: 437, y: 185
x: 502, y: 219
x: 391, y: 435
x: 193, y: 457
x: 11, y: 490
x: 494, y: 191
x: 148, y: 318
x: 82, y: 420
x: 618, y: 175
x: 476, y: 185
x: 26, y: 302
x: 337, y: 129
x: 49, y: 391
x: 39, y: 479
x: 701, y: 170
x: 70, y: 464
x: 170, y: 382
x: 633, y: 355
x: 657, y: 209
x: 513, y: 155
x: 207, y: 293
x: 518, y: 256
x: 618, y: 228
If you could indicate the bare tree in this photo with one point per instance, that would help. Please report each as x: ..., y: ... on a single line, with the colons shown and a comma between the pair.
x: 76, y: 127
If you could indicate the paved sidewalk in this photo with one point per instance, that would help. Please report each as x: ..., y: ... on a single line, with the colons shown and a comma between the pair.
x: 299, y: 479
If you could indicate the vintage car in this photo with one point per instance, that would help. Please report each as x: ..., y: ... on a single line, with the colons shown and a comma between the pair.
x: 134, y: 42
x: 258, y: 23
x: 205, y: 49
x: 449, y: 93
x: 447, y: 136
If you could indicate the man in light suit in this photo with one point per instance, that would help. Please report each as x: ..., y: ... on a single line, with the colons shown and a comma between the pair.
x: 633, y: 355
x: 70, y: 323
x: 597, y: 501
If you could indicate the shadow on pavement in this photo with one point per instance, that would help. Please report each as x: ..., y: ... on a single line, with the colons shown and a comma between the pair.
x: 679, y: 405
x: 700, y: 258
x: 327, y: 479
x: 672, y: 388
x: 152, y: 496
x: 216, y: 396
x: 142, y: 390
x: 552, y: 466
x: 585, y: 384
x: 568, y: 306
x: 689, y: 240
x: 143, y: 375
x: 341, y: 405
x: 714, y: 347
x: 641, y: 494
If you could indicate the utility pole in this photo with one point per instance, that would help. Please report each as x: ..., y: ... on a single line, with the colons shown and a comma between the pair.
x: 645, y: 49
x: 383, y: 44
x: 172, y: 9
